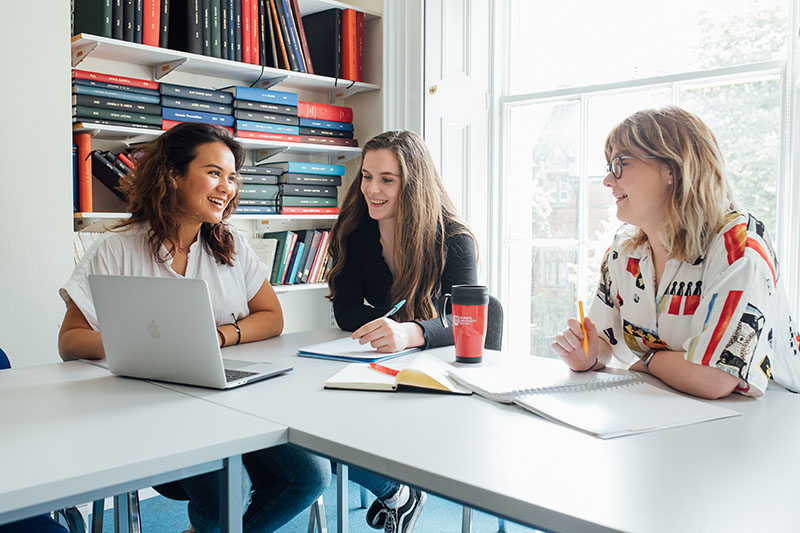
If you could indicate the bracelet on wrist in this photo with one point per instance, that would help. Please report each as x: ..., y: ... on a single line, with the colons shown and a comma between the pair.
x: 238, y: 331
x: 647, y: 359
x: 587, y: 369
x: 221, y: 337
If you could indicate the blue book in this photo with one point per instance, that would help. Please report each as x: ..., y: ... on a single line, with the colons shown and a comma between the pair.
x: 183, y: 115
x: 306, y: 167
x: 247, y: 125
x: 298, y: 253
x: 115, y: 86
x: 121, y: 95
x: 195, y: 93
x: 262, y: 95
x: 326, y: 124
x: 257, y: 210
x: 292, y: 31
x: 231, y: 31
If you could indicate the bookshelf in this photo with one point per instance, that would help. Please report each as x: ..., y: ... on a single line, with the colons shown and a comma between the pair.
x: 304, y: 304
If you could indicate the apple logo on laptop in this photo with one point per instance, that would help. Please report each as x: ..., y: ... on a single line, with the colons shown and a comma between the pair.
x: 152, y: 329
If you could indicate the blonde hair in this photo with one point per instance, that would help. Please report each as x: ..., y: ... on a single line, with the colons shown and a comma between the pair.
x: 700, y: 196
x: 426, y: 217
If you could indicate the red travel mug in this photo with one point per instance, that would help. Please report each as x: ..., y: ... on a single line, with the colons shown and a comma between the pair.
x: 470, y: 304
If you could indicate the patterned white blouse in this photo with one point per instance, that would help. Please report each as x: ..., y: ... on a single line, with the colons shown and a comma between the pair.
x: 727, y: 309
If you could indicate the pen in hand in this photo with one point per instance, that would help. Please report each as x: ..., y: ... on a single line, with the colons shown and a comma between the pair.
x: 394, y: 309
x: 583, y: 327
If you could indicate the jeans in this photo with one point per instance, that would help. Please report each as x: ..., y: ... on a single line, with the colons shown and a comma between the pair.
x: 37, y: 524
x: 381, y: 487
x: 277, y: 484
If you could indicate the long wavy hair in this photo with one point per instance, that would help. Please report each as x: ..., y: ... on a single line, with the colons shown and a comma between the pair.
x: 701, y: 194
x: 426, y: 217
x: 153, y: 198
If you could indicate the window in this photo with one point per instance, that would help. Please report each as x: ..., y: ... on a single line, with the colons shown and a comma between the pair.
x: 573, y: 69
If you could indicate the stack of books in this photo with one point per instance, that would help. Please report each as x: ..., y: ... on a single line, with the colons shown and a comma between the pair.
x: 264, y: 114
x: 325, y: 124
x: 295, y: 256
x: 306, y: 188
x: 258, y: 191
x: 115, y: 100
x: 195, y: 104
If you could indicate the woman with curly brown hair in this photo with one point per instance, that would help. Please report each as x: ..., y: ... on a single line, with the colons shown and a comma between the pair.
x: 180, y: 194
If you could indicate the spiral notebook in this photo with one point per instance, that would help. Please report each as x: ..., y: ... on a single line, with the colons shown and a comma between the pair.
x: 600, y: 404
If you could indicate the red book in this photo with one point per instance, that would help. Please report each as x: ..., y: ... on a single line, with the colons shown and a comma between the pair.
x: 322, y: 256
x: 84, y: 143
x: 360, y: 45
x: 349, y: 45
x: 126, y: 160
x: 254, y: 31
x: 310, y: 210
x: 151, y: 22
x: 167, y: 124
x: 246, y: 31
x: 108, y: 78
x: 298, y: 19
x: 329, y: 141
x: 265, y: 136
x: 336, y: 113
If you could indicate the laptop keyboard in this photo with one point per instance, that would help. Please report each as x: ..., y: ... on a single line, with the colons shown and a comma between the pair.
x: 236, y: 375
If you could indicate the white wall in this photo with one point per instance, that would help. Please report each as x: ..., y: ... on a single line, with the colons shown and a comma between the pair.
x: 36, y: 218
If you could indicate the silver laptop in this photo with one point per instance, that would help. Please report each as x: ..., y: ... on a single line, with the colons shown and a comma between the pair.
x: 163, y: 329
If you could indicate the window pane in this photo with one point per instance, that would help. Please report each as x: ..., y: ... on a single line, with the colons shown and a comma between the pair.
x: 542, y: 176
x: 745, y: 118
x: 553, y: 294
x: 574, y: 42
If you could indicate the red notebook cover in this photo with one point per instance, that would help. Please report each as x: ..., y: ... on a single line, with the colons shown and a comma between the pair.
x: 265, y: 136
x: 84, y: 143
x: 254, y: 30
x: 151, y: 22
x: 246, y: 31
x: 336, y: 113
x: 349, y: 45
x: 360, y: 45
x: 109, y: 78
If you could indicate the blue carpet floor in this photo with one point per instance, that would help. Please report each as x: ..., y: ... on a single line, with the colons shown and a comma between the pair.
x: 439, y: 516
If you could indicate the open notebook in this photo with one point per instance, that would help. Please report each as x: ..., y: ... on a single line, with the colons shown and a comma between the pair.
x: 347, y: 349
x: 603, y: 405
x: 424, y: 371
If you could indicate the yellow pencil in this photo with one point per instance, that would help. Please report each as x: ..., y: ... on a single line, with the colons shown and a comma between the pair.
x: 583, y: 327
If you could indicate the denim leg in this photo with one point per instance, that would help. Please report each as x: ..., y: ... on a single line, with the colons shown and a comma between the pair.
x: 381, y: 487
x: 204, y: 497
x: 286, y: 481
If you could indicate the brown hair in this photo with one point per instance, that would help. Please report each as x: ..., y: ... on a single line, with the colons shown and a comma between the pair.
x: 701, y: 195
x: 152, y: 197
x: 426, y: 217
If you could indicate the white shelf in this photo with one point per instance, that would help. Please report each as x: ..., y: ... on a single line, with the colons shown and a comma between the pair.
x: 163, y: 61
x: 299, y: 287
x: 132, y: 135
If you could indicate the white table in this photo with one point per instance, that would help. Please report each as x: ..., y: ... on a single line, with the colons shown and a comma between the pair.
x: 737, y: 474
x: 72, y: 433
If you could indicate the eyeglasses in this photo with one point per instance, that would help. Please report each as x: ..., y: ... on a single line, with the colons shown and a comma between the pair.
x: 614, y: 167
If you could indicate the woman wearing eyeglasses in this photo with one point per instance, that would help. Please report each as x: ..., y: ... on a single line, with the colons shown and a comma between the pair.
x: 690, y: 289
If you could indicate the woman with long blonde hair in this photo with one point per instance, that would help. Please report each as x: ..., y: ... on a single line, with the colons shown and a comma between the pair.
x: 690, y: 289
x: 397, y: 237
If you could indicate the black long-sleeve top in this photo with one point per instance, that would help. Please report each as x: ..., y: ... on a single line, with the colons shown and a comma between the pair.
x: 366, y: 276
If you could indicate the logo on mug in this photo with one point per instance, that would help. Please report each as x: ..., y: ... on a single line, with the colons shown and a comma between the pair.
x: 466, y: 320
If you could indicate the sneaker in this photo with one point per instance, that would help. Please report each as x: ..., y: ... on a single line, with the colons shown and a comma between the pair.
x: 402, y: 520
x: 376, y: 514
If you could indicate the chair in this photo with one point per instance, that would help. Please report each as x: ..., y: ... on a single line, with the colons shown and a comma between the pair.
x: 494, y: 341
x: 70, y: 516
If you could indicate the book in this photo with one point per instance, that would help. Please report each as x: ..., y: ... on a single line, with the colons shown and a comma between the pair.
x: 138, y: 20
x: 101, y: 102
x: 261, y: 95
x: 314, y: 110
x: 246, y: 31
x: 117, y: 17
x: 601, y: 404
x: 246, y: 125
x: 265, y: 250
x: 331, y: 141
x: 303, y: 167
x: 266, y: 136
x: 287, y: 257
x: 128, y: 20
x: 92, y: 16
x: 258, y: 202
x: 263, y: 170
x: 308, y: 201
x: 424, y: 371
x: 257, y: 210
x: 106, y: 172
x: 230, y: 21
x: 76, y: 206
x: 205, y: 26
x: 113, y: 114
x: 184, y: 115
x: 360, y: 45
x: 291, y: 270
x: 290, y: 37
x: 196, y: 105
x: 326, y: 124
x: 263, y: 179
x: 320, y: 132
x: 185, y: 31
x: 254, y: 31
x: 281, y: 237
x: 316, y: 267
x: 163, y: 35
x: 260, y: 116
x: 308, y: 210
x: 305, y: 267
x: 151, y: 24
x: 237, y: 30
x: 265, y: 107
x: 196, y: 93
x: 262, y: 33
x: 280, y: 42
x: 114, y: 86
x: 349, y: 45
x: 167, y: 124
x: 79, y: 88
x: 258, y: 191
x: 291, y: 189
x: 308, y: 238
x: 215, y: 17
x: 87, y: 122
x: 347, y: 349
x: 298, y: 21
x: 84, y: 143
x: 311, y: 179
x: 324, y: 32
x: 269, y: 36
